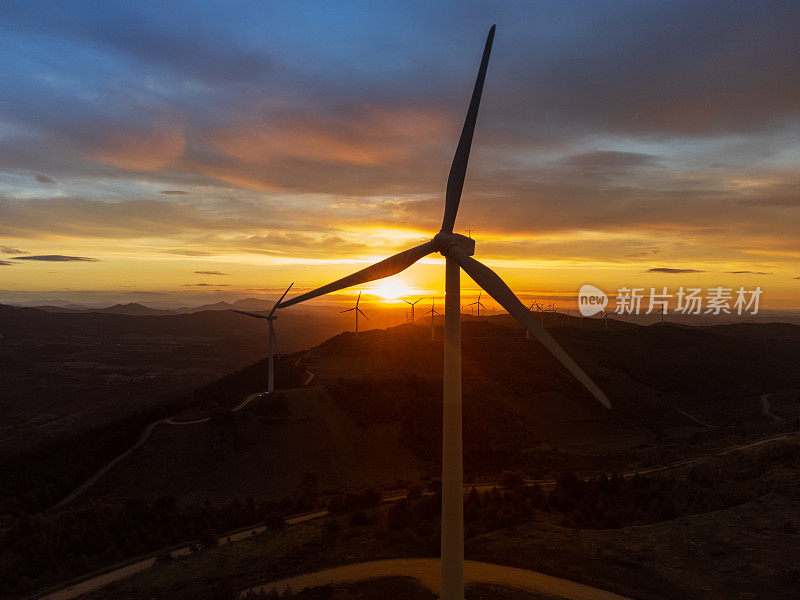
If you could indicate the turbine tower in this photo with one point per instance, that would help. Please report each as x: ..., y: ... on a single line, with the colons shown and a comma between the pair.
x: 273, y: 343
x: 412, y: 307
x: 357, y: 311
x: 458, y: 250
x: 478, y: 304
x: 530, y: 309
x: 433, y: 312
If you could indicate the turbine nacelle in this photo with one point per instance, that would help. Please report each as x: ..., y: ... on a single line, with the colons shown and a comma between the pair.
x: 443, y: 241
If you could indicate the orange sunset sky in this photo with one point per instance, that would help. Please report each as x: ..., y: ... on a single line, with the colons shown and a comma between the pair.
x: 226, y: 154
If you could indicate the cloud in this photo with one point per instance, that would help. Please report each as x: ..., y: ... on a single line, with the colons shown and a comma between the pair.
x: 210, y: 273
x: 56, y: 258
x: 45, y: 179
x: 748, y: 273
x: 10, y: 250
x: 672, y: 270
x: 140, y: 150
x: 205, y: 285
x: 183, y: 252
x: 643, y: 253
x: 351, y: 125
x: 608, y: 159
x: 5, y: 263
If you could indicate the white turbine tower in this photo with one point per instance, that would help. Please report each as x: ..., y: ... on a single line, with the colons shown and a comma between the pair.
x: 356, y: 310
x: 411, y: 304
x: 273, y: 342
x: 477, y: 304
x: 433, y: 312
x: 458, y: 250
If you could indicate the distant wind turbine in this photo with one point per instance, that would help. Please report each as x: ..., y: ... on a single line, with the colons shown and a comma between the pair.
x: 530, y: 309
x: 432, y: 312
x: 273, y: 342
x: 477, y: 303
x: 356, y: 310
x: 458, y: 250
x: 412, y: 307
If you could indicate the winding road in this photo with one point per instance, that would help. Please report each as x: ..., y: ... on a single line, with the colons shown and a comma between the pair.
x: 141, y: 440
x: 238, y: 407
x: 100, y: 581
x: 426, y: 571
x: 107, y: 467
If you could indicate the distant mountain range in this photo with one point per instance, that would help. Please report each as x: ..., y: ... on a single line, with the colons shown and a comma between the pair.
x: 137, y: 309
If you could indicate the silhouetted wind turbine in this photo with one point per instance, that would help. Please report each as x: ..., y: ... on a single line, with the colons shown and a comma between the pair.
x: 458, y: 250
x: 356, y: 310
x: 530, y: 309
x: 273, y: 342
x: 477, y: 303
x: 432, y: 312
x: 412, y: 307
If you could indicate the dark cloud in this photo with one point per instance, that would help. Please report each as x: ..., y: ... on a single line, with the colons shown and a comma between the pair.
x: 173, y: 192
x: 210, y: 273
x: 748, y: 273
x: 672, y: 270
x: 205, y: 285
x: 45, y: 179
x: 10, y: 250
x: 5, y: 263
x: 57, y: 258
x: 609, y: 159
x: 643, y: 253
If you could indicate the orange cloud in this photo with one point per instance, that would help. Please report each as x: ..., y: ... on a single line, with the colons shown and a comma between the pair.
x: 141, y: 151
x: 374, y: 136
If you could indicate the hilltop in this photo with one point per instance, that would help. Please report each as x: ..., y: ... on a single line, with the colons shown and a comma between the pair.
x: 371, y: 413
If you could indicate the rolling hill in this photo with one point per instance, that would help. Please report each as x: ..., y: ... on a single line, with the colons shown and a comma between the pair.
x: 371, y: 415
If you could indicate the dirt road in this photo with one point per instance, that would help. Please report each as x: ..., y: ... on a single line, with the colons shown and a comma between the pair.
x: 426, y: 571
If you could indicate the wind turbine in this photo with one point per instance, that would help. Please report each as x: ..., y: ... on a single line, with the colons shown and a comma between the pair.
x: 432, y: 312
x: 530, y: 309
x: 458, y: 250
x: 273, y: 343
x: 412, y: 307
x: 477, y: 303
x: 355, y: 309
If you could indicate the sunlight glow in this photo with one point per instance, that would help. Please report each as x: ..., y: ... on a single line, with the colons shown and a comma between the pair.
x: 391, y: 290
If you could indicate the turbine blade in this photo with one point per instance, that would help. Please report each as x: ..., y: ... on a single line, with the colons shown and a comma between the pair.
x: 458, y: 170
x: 362, y: 314
x: 346, y: 310
x: 497, y: 289
x: 249, y: 314
x: 358, y: 299
x: 385, y: 268
x: 275, y: 306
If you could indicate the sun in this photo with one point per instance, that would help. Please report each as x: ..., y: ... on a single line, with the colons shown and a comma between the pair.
x: 391, y: 290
